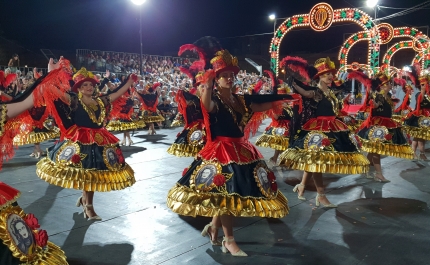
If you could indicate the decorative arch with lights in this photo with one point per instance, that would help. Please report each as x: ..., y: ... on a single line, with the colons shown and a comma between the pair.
x: 320, y: 18
x: 423, y: 57
x: 420, y: 41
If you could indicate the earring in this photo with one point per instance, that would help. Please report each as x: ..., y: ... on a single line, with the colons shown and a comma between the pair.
x: 79, y: 95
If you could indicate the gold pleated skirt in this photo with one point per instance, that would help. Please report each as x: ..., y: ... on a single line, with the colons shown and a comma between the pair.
x: 35, y: 137
x: 157, y: 118
x: 387, y: 149
x: 184, y: 150
x: 324, y: 161
x: 85, y: 179
x: 187, y: 201
x: 120, y: 126
x: 272, y: 141
x: 417, y: 132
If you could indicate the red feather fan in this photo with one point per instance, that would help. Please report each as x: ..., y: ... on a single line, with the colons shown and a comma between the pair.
x: 360, y: 77
x: 5, y: 81
x: 412, y: 77
x: 296, y: 64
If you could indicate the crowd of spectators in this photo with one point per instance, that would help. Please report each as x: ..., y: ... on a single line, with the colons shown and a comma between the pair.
x: 19, y: 84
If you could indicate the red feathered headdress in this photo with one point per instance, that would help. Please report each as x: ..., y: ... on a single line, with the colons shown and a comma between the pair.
x: 360, y: 77
x: 198, y: 65
x: 154, y: 87
x: 300, y: 66
x: 401, y: 82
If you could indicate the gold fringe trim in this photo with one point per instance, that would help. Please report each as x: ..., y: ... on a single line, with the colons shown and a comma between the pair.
x: 397, y: 118
x: 3, y: 118
x: 9, y: 202
x: 119, y: 126
x: 85, y: 179
x: 186, y: 201
x: 177, y: 123
x: 186, y: 150
x: 272, y: 141
x: 50, y: 255
x: 417, y: 132
x: 158, y: 118
x: 325, y: 161
x: 35, y: 137
x: 387, y: 149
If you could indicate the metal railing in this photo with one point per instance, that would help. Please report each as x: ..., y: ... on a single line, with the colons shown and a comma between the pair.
x: 24, y: 70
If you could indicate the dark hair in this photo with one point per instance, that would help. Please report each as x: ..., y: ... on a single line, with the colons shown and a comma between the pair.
x: 15, y: 55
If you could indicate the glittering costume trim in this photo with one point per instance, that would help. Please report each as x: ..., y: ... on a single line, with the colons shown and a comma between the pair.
x: 8, y: 195
x: 325, y: 161
x: 272, y: 141
x: 119, y: 126
x: 51, y: 254
x: 184, y: 150
x: 85, y: 179
x: 36, y: 137
x: 186, y: 201
x: 157, y: 118
x: 387, y: 149
x: 177, y: 123
x: 417, y: 132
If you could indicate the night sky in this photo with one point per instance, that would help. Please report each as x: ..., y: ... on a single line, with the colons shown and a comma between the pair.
x: 114, y: 24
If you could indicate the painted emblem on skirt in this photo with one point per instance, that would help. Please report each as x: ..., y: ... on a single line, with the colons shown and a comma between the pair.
x: 203, y: 176
x: 21, y: 234
x: 265, y: 180
x: 110, y: 157
x: 424, y: 122
x: 315, y: 141
x: 378, y: 133
x: 66, y: 152
x: 195, y: 135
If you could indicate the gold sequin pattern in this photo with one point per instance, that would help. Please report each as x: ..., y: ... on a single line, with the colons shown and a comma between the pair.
x: 184, y: 150
x: 272, y: 141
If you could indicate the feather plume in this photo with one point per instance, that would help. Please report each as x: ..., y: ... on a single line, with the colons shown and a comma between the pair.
x: 360, y: 77
x: 186, y: 71
x: 198, y: 65
x: 417, y: 68
x: 299, y: 65
x: 400, y: 82
x: 272, y: 77
x: 155, y: 85
x: 209, y: 75
x: 9, y: 79
x: 257, y: 87
x: 2, y: 78
x: 413, y: 76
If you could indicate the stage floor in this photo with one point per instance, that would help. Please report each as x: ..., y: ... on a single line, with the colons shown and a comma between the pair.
x: 374, y: 224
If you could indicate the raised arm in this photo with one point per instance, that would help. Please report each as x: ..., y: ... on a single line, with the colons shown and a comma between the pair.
x: 304, y: 93
x: 206, y: 98
x: 115, y: 95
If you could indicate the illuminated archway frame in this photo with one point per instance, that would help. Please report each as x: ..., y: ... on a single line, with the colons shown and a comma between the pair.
x: 413, y: 33
x: 310, y: 20
x: 424, y: 57
x: 397, y: 47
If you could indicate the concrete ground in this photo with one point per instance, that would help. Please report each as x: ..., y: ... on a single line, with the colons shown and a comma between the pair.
x: 375, y: 223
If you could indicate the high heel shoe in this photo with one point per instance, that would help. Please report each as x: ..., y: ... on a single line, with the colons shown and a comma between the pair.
x: 240, y: 253
x: 296, y: 189
x: 205, y: 232
x: 375, y: 178
x: 369, y: 174
x: 32, y: 154
x: 96, y: 217
x: 79, y: 202
x: 123, y: 141
x: 37, y: 155
x: 317, y: 202
x: 130, y: 142
x: 423, y: 157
